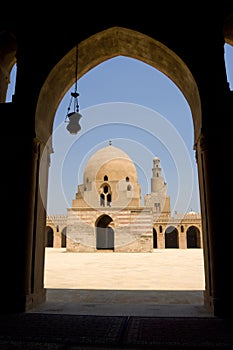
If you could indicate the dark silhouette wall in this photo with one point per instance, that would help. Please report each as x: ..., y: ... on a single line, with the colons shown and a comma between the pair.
x: 185, y: 44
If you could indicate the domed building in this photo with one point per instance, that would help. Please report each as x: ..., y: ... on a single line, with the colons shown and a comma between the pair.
x: 107, y: 211
x: 110, y: 180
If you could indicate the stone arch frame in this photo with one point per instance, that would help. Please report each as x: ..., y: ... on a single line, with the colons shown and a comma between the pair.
x: 116, y: 41
x: 112, y: 42
x: 105, y: 45
x: 211, y: 254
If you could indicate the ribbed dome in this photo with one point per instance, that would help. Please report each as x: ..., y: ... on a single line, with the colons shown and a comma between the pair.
x: 112, y: 162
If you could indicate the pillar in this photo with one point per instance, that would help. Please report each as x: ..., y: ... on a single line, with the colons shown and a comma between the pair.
x: 214, y: 159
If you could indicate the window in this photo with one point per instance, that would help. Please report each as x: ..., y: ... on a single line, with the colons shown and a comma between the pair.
x: 105, y: 196
x: 157, y: 207
x: 102, y: 200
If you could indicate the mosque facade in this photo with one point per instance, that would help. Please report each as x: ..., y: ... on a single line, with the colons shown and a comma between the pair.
x: 107, y: 212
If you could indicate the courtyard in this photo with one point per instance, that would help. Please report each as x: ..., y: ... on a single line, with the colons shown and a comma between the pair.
x: 165, y: 282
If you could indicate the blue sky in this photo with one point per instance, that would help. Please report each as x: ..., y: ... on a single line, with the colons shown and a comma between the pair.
x: 142, y: 112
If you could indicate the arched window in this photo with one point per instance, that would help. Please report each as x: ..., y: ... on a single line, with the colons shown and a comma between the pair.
x: 105, y: 178
x: 157, y: 207
x: 105, y: 196
x: 102, y: 199
x: 109, y: 200
x: 127, y: 179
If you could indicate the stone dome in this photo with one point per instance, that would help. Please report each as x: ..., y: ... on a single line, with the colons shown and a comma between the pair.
x: 192, y: 213
x: 112, y: 162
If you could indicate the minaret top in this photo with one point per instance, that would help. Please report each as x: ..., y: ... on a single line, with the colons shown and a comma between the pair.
x: 156, y: 160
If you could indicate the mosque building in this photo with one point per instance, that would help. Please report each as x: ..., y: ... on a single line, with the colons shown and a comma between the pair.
x: 107, y: 212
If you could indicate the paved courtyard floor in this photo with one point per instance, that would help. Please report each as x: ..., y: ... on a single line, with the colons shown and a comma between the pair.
x: 167, y: 282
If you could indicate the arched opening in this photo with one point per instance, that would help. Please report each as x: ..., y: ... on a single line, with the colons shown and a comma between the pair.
x: 104, y: 233
x: 154, y: 238
x: 216, y: 261
x: 47, y: 104
x: 171, y: 237
x: 228, y: 62
x: 193, y: 237
x: 63, y: 238
x: 116, y: 43
x: 105, y: 196
x: 11, y: 85
x: 8, y: 65
x: 49, y: 237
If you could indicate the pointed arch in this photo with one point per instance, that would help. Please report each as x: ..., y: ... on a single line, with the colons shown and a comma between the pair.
x: 112, y: 42
x: 104, y: 233
x: 193, y: 237
x: 49, y: 237
x: 171, y: 237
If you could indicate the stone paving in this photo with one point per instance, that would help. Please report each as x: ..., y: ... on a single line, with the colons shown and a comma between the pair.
x: 167, y: 282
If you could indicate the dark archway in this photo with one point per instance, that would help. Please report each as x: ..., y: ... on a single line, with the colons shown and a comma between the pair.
x: 212, y: 197
x: 154, y: 238
x: 49, y: 237
x: 193, y: 237
x: 171, y: 237
x: 63, y: 238
x: 104, y: 233
x: 104, y: 45
x: 151, y: 54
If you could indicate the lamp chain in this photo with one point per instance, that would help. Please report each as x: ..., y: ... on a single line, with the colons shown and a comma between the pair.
x: 76, y: 70
x: 74, y: 94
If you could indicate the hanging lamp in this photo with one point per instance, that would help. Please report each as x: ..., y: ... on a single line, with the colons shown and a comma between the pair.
x: 72, y: 118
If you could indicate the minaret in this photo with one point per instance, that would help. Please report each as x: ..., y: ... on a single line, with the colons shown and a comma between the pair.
x: 157, y: 181
x: 158, y: 199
